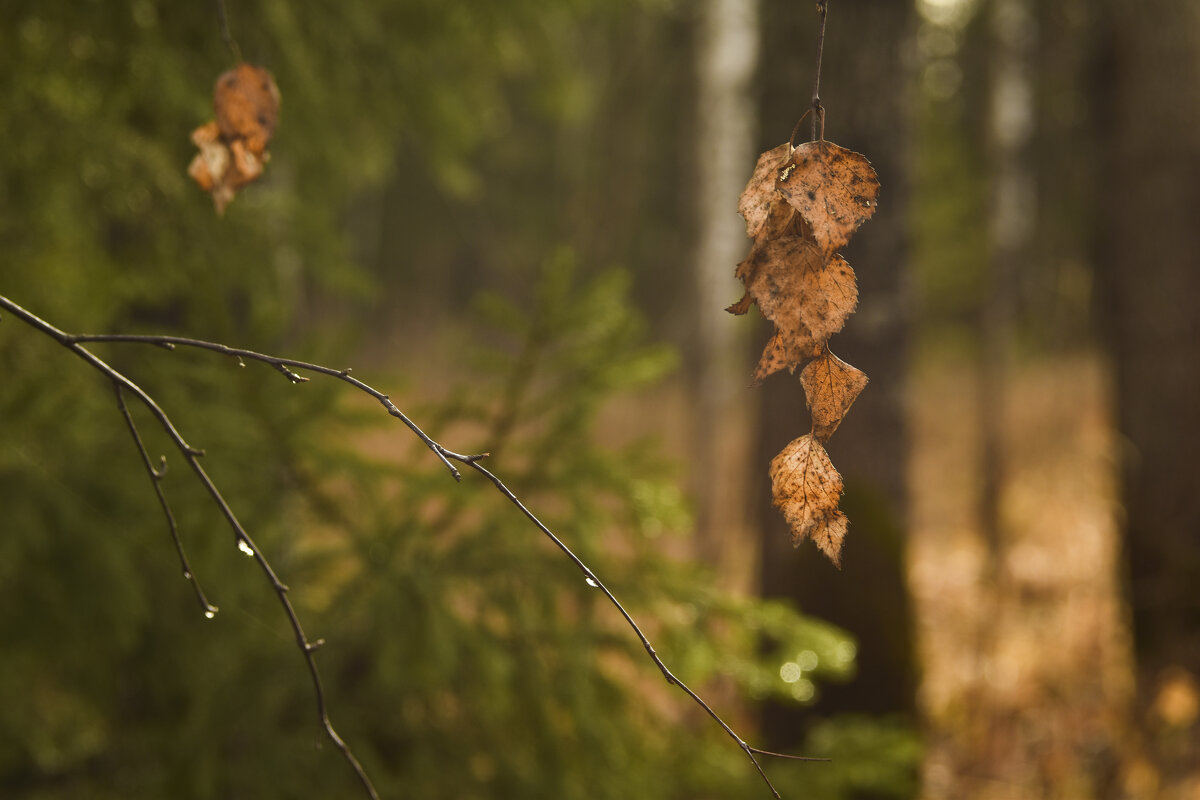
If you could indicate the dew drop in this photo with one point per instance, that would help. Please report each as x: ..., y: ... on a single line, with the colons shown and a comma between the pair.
x: 209, y: 613
x: 187, y: 576
x: 245, y: 548
x: 592, y: 582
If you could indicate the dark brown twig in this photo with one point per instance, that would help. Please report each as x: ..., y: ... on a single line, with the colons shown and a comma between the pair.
x: 226, y: 36
x: 156, y: 476
x: 289, y: 368
x: 817, y: 109
x: 192, y: 455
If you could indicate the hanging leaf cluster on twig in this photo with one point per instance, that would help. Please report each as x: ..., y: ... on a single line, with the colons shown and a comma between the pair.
x: 801, y: 206
x: 233, y: 147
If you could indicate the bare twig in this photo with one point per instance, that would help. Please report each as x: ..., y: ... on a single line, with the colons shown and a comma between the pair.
x: 291, y: 368
x: 192, y: 455
x: 156, y: 476
x: 817, y: 109
x: 226, y: 36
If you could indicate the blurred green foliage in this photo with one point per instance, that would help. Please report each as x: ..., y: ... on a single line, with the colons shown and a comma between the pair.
x: 466, y: 657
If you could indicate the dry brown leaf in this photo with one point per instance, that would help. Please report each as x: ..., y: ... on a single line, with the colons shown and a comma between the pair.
x: 806, y: 488
x: 801, y: 205
x: 233, y: 148
x: 833, y: 188
x: 759, y: 196
x: 246, y: 101
x: 807, y: 295
x: 830, y: 387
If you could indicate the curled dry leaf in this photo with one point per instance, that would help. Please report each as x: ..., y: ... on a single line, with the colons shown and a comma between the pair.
x: 805, y: 293
x: 833, y: 188
x: 801, y: 205
x: 830, y: 387
x: 806, y: 488
x: 233, y: 148
x: 759, y: 197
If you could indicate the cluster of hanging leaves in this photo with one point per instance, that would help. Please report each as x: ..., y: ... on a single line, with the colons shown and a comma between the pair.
x: 233, y: 147
x: 801, y: 206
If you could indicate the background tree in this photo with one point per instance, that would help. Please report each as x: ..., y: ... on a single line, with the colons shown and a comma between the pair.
x: 726, y: 57
x: 870, y: 448
x: 1147, y: 255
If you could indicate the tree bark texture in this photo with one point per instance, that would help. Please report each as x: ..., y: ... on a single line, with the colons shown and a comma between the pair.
x: 1149, y: 254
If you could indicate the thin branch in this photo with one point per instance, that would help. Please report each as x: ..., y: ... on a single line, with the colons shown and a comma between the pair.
x: 226, y: 37
x: 284, y: 365
x: 289, y: 368
x: 192, y: 455
x: 817, y: 109
x: 596, y: 583
x: 156, y: 477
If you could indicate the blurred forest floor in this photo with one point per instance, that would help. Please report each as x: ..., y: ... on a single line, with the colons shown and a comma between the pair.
x: 1025, y: 656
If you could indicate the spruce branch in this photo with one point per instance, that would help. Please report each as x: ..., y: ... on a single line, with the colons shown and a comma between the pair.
x: 292, y: 369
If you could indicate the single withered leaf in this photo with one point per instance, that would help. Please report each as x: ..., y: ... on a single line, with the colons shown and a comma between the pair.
x: 233, y: 148
x: 776, y: 356
x: 806, y: 488
x: 805, y: 293
x: 212, y: 168
x: 830, y: 387
x: 833, y: 188
x: 246, y: 101
x: 759, y: 196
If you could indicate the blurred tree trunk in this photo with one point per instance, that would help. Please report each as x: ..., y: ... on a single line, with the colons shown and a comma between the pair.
x: 1149, y: 246
x: 1011, y: 216
x: 726, y: 55
x: 864, y: 86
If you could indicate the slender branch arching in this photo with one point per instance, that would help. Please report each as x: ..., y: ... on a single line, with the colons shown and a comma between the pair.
x: 291, y: 369
x: 192, y: 455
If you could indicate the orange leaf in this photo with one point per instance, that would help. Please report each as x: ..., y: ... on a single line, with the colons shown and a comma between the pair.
x: 830, y: 387
x: 807, y: 295
x: 833, y: 188
x: 247, y: 104
x: 806, y: 488
x: 759, y: 196
x: 233, y: 148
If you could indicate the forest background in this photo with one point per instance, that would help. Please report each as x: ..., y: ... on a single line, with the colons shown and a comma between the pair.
x: 518, y: 218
